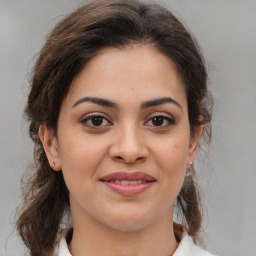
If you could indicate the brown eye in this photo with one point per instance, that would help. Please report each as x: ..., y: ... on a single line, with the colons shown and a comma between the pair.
x: 95, y: 121
x: 157, y: 120
x: 160, y: 121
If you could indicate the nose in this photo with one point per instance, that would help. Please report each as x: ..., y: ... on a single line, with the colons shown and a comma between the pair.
x: 129, y: 146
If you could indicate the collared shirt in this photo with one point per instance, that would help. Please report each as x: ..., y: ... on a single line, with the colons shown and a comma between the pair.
x: 186, y: 248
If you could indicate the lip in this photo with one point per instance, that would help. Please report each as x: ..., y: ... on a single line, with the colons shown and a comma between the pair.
x: 119, y: 182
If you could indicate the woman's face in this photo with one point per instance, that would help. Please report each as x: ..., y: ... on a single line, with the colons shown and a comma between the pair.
x: 123, y: 140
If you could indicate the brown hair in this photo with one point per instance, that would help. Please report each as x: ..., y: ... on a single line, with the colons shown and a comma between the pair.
x: 74, y: 41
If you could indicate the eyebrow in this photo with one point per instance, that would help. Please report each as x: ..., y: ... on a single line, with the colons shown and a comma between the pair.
x: 160, y: 101
x: 99, y: 101
x: 146, y: 104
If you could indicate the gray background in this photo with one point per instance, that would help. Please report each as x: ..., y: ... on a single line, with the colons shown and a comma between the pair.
x: 226, y: 30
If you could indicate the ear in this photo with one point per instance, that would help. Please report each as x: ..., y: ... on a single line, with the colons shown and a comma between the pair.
x: 194, y: 143
x: 50, y: 144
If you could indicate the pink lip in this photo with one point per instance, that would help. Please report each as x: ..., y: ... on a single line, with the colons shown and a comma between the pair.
x: 128, y: 189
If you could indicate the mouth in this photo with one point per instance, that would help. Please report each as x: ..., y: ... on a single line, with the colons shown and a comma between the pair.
x: 128, y: 184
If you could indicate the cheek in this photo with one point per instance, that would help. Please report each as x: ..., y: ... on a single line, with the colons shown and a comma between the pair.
x: 173, y: 153
x: 80, y: 158
x: 172, y: 158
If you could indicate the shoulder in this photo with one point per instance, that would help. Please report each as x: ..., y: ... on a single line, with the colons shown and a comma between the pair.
x: 188, y: 248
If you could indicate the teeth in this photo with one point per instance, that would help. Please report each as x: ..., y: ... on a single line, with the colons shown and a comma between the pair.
x: 125, y: 182
x: 129, y: 182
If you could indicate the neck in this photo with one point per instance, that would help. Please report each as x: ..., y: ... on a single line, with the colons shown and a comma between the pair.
x: 91, y: 238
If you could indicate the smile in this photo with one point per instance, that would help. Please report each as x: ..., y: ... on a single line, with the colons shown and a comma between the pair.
x: 128, y: 184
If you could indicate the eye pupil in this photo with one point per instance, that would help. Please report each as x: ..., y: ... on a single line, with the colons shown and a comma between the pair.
x: 157, y: 120
x: 97, y: 120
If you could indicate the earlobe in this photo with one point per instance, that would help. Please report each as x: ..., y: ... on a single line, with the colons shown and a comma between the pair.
x: 50, y: 144
x: 194, y: 142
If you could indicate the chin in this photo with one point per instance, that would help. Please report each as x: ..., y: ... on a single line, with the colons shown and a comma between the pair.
x: 131, y: 221
x: 128, y: 226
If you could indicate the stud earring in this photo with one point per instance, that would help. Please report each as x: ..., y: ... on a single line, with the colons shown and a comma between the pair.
x: 190, y: 169
x: 53, y: 164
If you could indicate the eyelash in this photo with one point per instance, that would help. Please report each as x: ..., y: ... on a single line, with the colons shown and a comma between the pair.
x: 90, y: 117
x: 164, y: 118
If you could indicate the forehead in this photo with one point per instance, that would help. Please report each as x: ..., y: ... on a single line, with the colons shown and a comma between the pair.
x: 132, y: 72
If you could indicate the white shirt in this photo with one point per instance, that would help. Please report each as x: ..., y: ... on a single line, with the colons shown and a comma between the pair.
x: 186, y: 248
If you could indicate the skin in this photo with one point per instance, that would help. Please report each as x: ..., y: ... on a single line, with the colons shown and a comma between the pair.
x: 125, y: 138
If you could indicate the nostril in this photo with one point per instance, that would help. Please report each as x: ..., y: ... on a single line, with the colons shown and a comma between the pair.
x: 129, y: 160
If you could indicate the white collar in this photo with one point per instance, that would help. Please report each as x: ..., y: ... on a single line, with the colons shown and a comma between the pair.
x: 186, y: 248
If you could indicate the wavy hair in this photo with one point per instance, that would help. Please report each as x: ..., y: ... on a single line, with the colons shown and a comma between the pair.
x: 73, y: 41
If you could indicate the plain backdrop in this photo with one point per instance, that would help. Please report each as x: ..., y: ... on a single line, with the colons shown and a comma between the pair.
x: 226, y: 31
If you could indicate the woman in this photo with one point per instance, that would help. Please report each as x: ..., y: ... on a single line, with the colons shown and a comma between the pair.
x: 117, y: 107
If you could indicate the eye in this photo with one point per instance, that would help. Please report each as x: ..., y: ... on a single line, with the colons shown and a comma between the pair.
x: 95, y: 121
x: 160, y: 121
